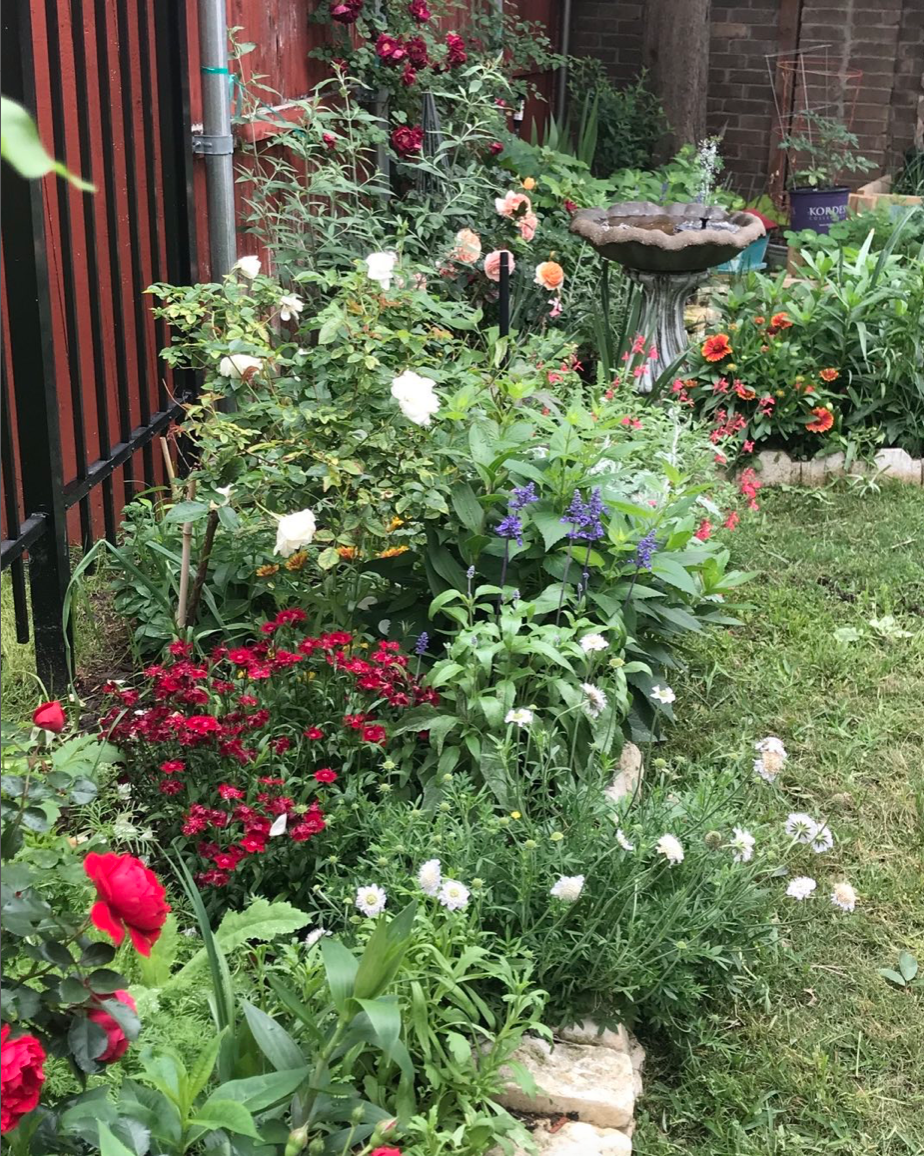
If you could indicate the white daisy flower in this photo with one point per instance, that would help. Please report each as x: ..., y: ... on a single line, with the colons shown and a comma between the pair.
x: 593, y: 642
x: 290, y: 306
x: 671, y: 848
x: 771, y: 758
x: 568, y: 888
x: 313, y: 936
x: 371, y: 900
x: 743, y: 845
x: 594, y: 699
x: 453, y: 895
x: 520, y: 717
x: 623, y: 841
x: 823, y: 840
x: 429, y: 877
x: 844, y: 896
x: 801, y: 827
x: 801, y: 887
x: 663, y: 694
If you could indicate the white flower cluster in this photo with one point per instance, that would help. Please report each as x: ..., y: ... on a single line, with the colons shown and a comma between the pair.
x: 804, y: 829
x: 843, y: 895
x: 452, y: 894
x: 771, y: 758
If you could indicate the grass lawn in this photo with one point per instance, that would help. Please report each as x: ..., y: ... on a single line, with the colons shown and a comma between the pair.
x: 833, y: 1062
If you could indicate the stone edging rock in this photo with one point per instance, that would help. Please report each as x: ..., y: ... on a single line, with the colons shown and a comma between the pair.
x: 777, y: 468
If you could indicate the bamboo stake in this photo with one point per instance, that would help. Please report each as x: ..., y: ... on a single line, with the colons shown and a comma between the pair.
x: 168, y: 461
x: 184, y: 561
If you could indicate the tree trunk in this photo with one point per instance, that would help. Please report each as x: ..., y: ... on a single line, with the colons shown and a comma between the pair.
x: 675, y: 50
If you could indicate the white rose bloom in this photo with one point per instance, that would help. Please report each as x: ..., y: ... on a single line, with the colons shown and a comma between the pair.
x: 371, y: 900
x: 844, y: 896
x: 663, y: 694
x: 381, y: 267
x: 453, y: 895
x: 520, y: 717
x: 743, y: 845
x: 801, y: 887
x: 290, y: 306
x: 671, y: 848
x: 294, y: 531
x: 593, y: 642
x: 568, y: 888
x: 249, y: 266
x: 416, y: 397
x: 235, y: 365
x: 430, y: 877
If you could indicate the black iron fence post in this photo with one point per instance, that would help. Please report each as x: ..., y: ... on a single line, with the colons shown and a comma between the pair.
x: 33, y: 365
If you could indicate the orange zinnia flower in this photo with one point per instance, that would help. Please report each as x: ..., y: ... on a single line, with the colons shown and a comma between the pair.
x: 716, y: 347
x: 393, y: 551
x: 829, y: 375
x: 824, y: 419
x: 267, y: 571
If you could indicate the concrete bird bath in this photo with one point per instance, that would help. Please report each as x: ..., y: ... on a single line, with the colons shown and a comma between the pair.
x: 667, y: 250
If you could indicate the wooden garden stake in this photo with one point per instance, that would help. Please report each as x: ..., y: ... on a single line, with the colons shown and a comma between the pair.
x: 184, y: 561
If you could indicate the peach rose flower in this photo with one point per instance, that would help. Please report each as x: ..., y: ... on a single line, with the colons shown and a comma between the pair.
x: 492, y: 264
x: 511, y: 203
x: 528, y: 226
x: 550, y: 275
x: 467, y: 248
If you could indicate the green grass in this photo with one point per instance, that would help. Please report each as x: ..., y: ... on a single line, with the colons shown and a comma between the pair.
x: 833, y: 1061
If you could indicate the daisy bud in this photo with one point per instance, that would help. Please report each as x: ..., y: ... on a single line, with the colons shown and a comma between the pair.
x: 713, y: 839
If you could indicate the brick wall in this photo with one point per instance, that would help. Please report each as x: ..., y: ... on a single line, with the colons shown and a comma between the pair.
x: 883, y: 38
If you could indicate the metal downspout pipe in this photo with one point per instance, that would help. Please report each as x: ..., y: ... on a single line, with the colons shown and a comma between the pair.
x: 216, y: 144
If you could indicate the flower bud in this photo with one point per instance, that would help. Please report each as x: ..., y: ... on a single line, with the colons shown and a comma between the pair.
x: 298, y: 1141
x: 713, y: 839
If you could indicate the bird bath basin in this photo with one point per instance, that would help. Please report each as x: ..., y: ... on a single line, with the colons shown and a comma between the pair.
x: 667, y: 250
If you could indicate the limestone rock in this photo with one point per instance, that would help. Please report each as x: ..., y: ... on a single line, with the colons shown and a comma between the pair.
x: 588, y: 1032
x: 595, y: 1083
x: 579, y: 1139
x: 629, y: 776
x: 776, y: 468
x: 813, y: 472
x: 899, y: 464
x: 834, y: 465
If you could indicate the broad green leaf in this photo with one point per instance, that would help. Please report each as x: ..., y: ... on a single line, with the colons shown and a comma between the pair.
x: 87, y: 1042
x: 386, y: 1022
x: 467, y: 507
x: 892, y: 976
x: 340, y: 966
x: 21, y: 147
x: 259, y: 1092
x: 227, y: 1114
x: 273, y: 1040
x: 110, y: 1145
x: 908, y: 966
x: 203, y: 1067
x: 459, y: 1048
x: 187, y: 512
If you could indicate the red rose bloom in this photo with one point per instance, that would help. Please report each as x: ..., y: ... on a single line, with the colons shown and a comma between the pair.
x: 409, y: 76
x: 118, y: 1042
x: 496, y: 148
x: 571, y: 207
x: 457, y: 54
x: 407, y: 141
x: 21, y: 1077
x: 419, y: 11
x: 130, y: 897
x: 389, y: 50
x: 326, y: 775
x: 417, y: 52
x: 329, y: 139
x: 346, y: 11
x: 374, y: 734
x: 50, y: 717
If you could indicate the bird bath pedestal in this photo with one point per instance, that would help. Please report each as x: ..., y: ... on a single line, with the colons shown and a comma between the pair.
x: 668, y: 251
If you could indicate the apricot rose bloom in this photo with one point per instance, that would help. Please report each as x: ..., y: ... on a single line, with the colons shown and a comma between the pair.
x: 550, y: 275
x: 513, y: 204
x: 130, y: 898
x: 467, y: 248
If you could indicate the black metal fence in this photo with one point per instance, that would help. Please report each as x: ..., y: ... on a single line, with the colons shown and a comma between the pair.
x: 82, y: 389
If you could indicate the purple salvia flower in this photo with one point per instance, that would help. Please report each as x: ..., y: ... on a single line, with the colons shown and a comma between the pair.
x: 584, y: 518
x: 522, y: 496
x: 645, y: 549
x: 423, y: 641
x: 511, y: 527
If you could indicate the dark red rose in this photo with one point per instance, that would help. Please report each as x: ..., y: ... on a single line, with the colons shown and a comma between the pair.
x: 417, y: 52
x: 130, y: 897
x: 50, y: 717
x: 496, y: 148
x: 21, y: 1077
x: 419, y: 11
x: 117, y: 1044
x: 456, y: 54
x: 409, y: 76
x: 389, y: 50
x: 346, y: 11
x: 407, y: 140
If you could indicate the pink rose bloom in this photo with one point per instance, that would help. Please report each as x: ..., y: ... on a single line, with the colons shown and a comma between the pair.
x: 512, y: 204
x: 528, y: 226
x: 467, y: 248
x: 492, y: 264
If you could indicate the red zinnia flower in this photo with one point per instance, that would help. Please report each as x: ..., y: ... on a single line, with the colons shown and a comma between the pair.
x: 374, y: 734
x: 716, y: 347
x: 824, y: 419
x: 326, y: 775
x: 829, y: 375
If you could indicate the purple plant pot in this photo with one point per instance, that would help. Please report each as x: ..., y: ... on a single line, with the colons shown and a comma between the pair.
x: 817, y: 209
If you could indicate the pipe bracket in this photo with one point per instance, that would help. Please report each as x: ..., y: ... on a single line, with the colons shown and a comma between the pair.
x: 212, y: 146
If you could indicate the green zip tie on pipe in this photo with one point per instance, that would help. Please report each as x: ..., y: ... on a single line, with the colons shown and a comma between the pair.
x: 215, y: 71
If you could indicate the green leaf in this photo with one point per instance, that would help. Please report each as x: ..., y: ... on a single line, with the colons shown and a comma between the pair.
x: 187, y: 512
x: 110, y: 1145
x: 71, y: 991
x: 386, y: 1022
x: 259, y: 1092
x: 459, y: 1048
x: 227, y: 1114
x: 203, y: 1067
x: 87, y: 1042
x: 674, y: 574
x: 103, y: 981
x: 273, y: 1040
x: 892, y: 976
x: 340, y: 966
x: 21, y: 147
x: 328, y: 558
x: 383, y: 954
x: 468, y: 508
x: 549, y: 522
x: 908, y: 966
